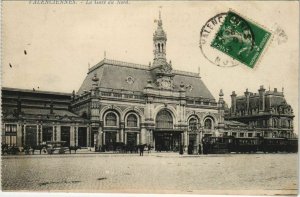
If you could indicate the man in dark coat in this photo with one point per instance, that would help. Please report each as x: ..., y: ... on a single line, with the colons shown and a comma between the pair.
x: 141, y: 150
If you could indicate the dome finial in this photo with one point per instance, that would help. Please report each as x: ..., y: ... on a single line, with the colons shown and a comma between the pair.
x: 159, y: 18
x: 159, y: 14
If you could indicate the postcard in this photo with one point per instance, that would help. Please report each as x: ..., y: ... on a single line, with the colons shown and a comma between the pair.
x: 150, y: 97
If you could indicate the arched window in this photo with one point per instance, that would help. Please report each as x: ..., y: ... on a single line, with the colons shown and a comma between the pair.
x: 158, y: 47
x: 164, y: 120
x: 132, y: 121
x: 208, y: 124
x: 193, y: 124
x: 111, y: 119
x: 162, y: 47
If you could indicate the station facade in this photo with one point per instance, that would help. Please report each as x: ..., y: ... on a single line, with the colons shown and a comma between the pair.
x: 148, y: 104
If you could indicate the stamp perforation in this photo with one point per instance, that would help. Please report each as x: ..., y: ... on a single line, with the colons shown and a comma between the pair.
x: 267, y: 45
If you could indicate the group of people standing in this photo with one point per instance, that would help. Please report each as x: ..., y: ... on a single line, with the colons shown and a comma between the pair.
x: 142, y: 148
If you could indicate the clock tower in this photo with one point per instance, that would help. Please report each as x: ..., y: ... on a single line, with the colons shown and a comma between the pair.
x: 161, y: 68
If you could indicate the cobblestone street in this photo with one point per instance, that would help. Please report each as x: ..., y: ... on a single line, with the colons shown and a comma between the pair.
x: 153, y: 173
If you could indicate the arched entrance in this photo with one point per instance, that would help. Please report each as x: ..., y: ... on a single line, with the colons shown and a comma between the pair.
x: 165, y: 137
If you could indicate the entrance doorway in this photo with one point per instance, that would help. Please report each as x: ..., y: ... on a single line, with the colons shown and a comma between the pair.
x: 167, y: 141
x: 82, y: 137
x: 110, y: 140
x: 131, y: 139
x: 31, y: 138
x: 47, y: 133
x: 192, y: 148
x: 65, y: 135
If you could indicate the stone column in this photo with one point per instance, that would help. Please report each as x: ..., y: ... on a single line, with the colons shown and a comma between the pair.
x: 55, y: 133
x: 197, y: 142
x: 76, y: 135
x: 125, y: 138
x: 58, y: 133
x: 19, y: 135
x: 100, y: 137
x: 72, y: 142
x: 103, y: 139
x: 89, y: 137
x: 122, y: 135
x: 41, y: 134
x: 118, y: 136
x: 24, y: 135
x: 138, y: 138
x: 148, y: 136
x: 185, y: 139
x: 37, y: 133
x: 153, y: 140
x: 143, y: 136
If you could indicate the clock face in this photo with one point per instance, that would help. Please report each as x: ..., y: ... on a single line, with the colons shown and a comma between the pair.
x: 165, y: 83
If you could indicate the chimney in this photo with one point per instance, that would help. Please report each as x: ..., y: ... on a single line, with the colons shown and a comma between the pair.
x: 261, y: 98
x: 233, y: 102
x: 73, y: 95
x: 221, y: 100
x: 247, y: 95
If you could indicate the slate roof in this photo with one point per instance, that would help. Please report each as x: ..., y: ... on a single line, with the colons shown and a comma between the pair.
x: 114, y: 74
x: 45, y: 115
x: 47, y: 112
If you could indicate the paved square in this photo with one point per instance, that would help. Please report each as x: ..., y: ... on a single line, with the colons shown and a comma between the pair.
x: 153, y: 173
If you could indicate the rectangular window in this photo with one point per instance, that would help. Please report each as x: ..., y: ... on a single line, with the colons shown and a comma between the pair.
x: 234, y: 134
x: 128, y: 95
x: 190, y: 101
x: 198, y: 102
x: 250, y: 134
x: 11, y: 134
x: 10, y: 128
x: 241, y: 134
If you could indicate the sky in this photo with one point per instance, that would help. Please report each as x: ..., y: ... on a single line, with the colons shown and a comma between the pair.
x: 61, y: 42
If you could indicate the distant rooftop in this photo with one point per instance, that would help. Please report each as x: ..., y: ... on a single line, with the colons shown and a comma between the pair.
x: 35, y: 91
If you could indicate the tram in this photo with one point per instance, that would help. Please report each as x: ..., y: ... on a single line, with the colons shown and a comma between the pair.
x: 230, y: 144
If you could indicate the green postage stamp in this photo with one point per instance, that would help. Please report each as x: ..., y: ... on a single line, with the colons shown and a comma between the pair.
x: 241, y: 39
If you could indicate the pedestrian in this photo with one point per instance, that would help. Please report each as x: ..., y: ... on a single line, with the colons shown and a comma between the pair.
x: 181, y: 150
x: 200, y: 149
x: 149, y: 148
x: 141, y: 150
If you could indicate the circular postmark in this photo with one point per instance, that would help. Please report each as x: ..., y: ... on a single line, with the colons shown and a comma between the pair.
x: 207, y: 34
